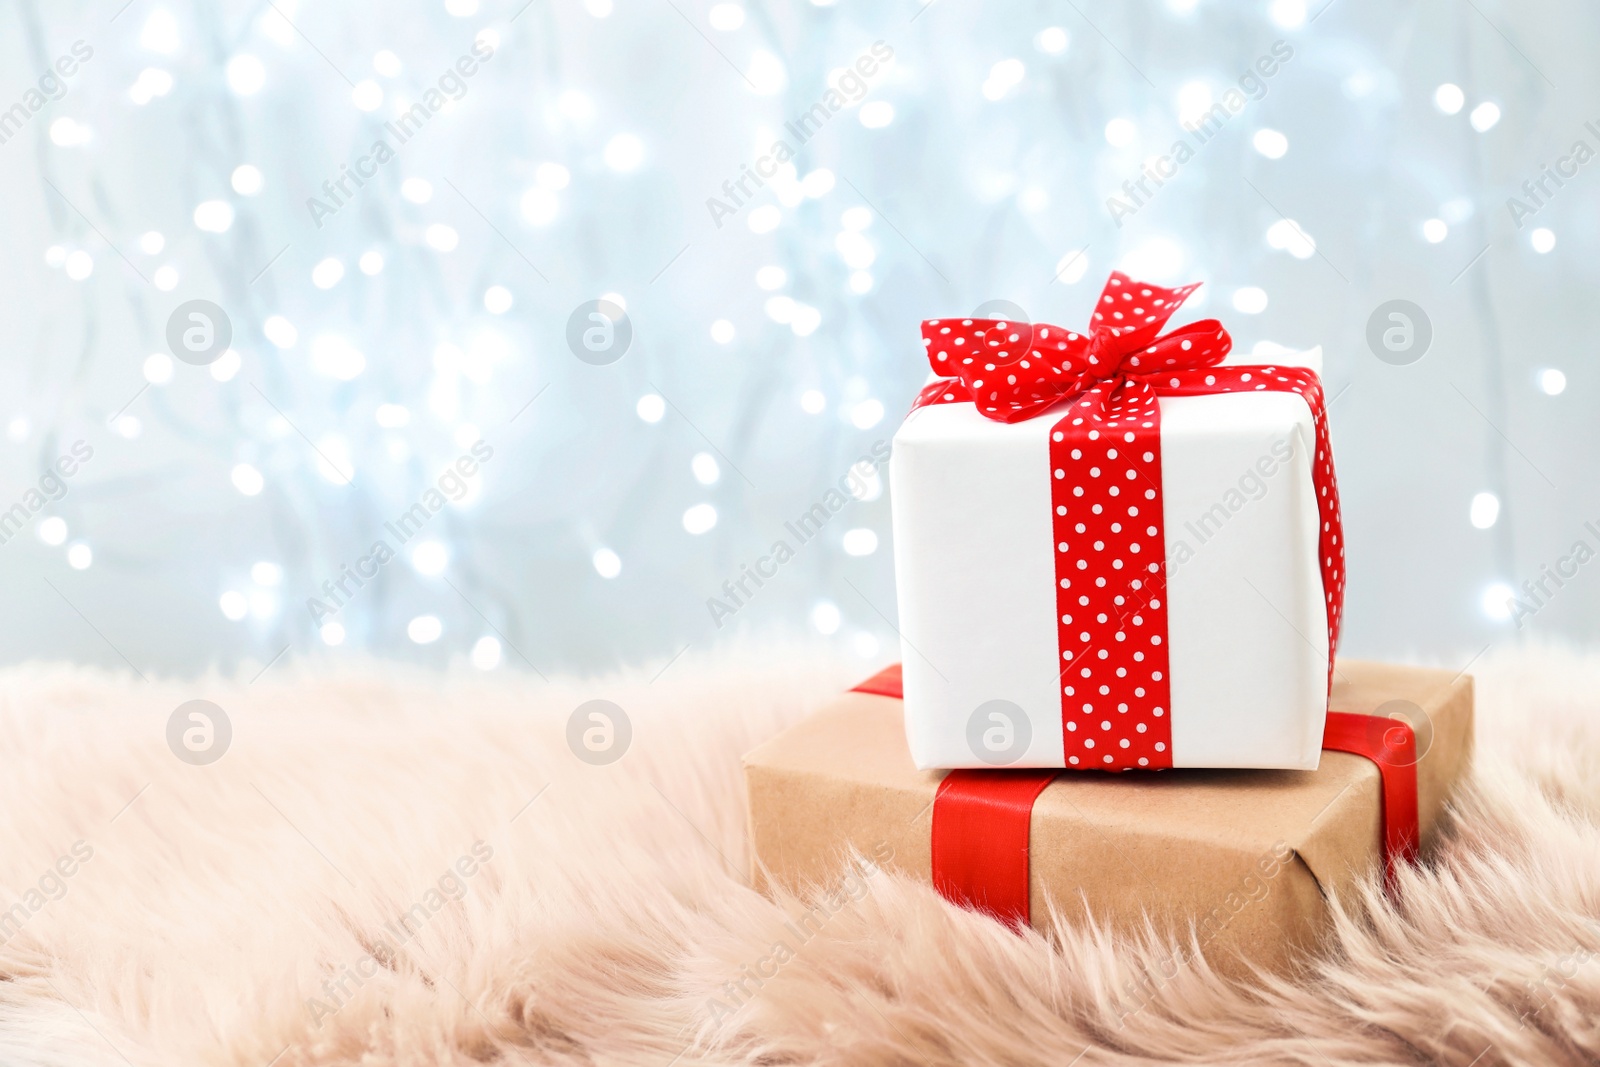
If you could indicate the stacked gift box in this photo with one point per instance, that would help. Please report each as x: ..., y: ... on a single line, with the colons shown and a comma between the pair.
x: 1120, y: 572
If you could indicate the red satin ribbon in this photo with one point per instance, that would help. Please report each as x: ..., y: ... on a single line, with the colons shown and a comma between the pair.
x: 886, y: 683
x: 980, y: 839
x: 981, y: 818
x: 1392, y: 745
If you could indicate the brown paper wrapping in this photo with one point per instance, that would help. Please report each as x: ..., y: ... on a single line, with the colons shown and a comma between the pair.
x: 1244, y: 858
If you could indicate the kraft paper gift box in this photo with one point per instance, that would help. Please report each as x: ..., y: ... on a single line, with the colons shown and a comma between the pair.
x: 1132, y: 565
x: 1247, y: 860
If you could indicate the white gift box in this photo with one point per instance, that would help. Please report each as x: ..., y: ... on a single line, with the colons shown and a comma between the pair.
x: 1246, y: 611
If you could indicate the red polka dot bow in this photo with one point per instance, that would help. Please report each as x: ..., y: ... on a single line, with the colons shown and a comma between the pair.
x: 1014, y: 371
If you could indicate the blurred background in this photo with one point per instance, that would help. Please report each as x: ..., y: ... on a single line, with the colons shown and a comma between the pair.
x: 398, y: 346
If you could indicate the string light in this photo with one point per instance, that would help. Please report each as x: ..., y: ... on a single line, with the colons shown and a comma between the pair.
x: 1289, y: 14
x: 425, y: 629
x: 700, y: 518
x: 441, y: 238
x: 1052, y: 40
x: 158, y: 368
x: 486, y: 653
x: 367, y: 95
x: 867, y: 414
x: 1120, y: 133
x: 227, y: 365
x: 235, y: 605
x: 826, y: 618
x: 764, y: 219
x: 1250, y: 300
x: 151, y: 83
x: 1270, y: 143
x: 497, y: 300
x: 326, y: 274
x: 876, y: 114
x: 624, y: 152
x: 69, y: 133
x: 726, y: 17
x: 52, y: 530
x: 651, y: 407
x: 246, y: 75
x: 247, y: 180
x: 160, y: 32
x: 860, y: 542
x: 1004, y: 76
x: 247, y: 479
x: 1290, y: 236
x: 1485, y: 510
x: 607, y: 563
x: 766, y: 73
x: 430, y: 558
x: 445, y: 333
x: 705, y: 467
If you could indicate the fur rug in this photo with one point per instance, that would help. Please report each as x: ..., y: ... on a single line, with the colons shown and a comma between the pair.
x: 393, y: 867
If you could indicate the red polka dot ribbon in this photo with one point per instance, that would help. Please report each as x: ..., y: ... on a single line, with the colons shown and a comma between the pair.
x: 1105, y: 464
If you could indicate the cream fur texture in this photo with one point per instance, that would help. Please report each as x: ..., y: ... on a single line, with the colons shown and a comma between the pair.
x: 394, y: 867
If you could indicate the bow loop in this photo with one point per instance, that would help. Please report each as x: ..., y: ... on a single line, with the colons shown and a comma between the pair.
x: 1135, y: 311
x: 1193, y: 347
x: 1015, y: 370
